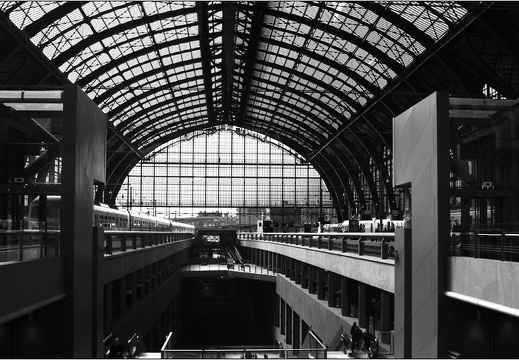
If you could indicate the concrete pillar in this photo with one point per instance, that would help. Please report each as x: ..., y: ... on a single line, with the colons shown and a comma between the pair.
x: 298, y: 271
x: 364, y: 305
x: 320, y: 283
x: 97, y: 293
x: 403, y: 293
x: 290, y: 330
x: 304, y: 275
x: 283, y: 321
x: 386, y: 315
x: 83, y: 150
x: 277, y: 310
x: 296, y: 325
x: 312, y: 279
x: 345, y: 296
x: 422, y: 161
x: 332, y: 288
x: 292, y: 269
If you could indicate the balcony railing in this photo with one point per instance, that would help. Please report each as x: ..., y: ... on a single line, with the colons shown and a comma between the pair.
x: 316, y: 351
x: 369, y: 244
x: 486, y: 244
x: 20, y: 245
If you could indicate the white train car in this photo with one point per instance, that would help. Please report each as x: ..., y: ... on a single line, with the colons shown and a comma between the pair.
x: 107, y: 217
x: 369, y: 226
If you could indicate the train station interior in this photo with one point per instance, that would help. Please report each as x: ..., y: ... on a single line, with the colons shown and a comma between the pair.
x: 257, y: 179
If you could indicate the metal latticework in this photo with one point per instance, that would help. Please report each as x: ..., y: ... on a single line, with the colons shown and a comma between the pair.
x: 222, y: 170
x: 323, y: 78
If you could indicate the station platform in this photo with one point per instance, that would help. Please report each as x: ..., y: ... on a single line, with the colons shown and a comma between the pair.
x: 250, y: 271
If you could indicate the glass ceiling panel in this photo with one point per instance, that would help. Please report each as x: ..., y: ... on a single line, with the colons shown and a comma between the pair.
x: 183, y: 85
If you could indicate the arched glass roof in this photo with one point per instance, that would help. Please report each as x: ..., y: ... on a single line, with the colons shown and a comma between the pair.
x: 299, y: 70
x: 323, y: 78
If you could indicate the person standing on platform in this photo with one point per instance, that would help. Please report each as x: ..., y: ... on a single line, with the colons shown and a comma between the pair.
x: 116, y: 350
x: 355, y: 339
x: 368, y: 340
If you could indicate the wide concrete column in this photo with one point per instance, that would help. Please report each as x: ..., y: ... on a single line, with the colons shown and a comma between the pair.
x: 386, y: 315
x: 421, y: 162
x: 345, y: 296
x: 332, y: 288
x: 312, y: 279
x: 304, y: 275
x: 290, y: 329
x: 298, y: 272
x: 320, y: 284
x: 83, y: 150
x: 363, y: 305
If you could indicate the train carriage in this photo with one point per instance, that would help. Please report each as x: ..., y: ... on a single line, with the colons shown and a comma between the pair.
x: 107, y: 217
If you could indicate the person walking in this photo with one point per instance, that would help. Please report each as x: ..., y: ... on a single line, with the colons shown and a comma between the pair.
x: 355, y: 339
x: 116, y: 350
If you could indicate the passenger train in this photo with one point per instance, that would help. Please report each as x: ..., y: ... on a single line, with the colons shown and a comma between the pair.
x: 107, y: 217
x: 369, y: 226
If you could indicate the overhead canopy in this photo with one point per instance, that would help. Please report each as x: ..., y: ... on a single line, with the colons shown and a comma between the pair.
x: 323, y: 78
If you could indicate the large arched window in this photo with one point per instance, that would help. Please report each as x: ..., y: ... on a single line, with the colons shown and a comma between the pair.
x: 231, y: 171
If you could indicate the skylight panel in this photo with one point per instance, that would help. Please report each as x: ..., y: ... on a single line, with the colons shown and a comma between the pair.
x: 31, y: 11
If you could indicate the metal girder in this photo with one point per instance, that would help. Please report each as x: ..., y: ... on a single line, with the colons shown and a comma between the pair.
x: 404, y: 74
x: 31, y: 51
x: 331, y: 181
x: 363, y: 166
x: 312, y: 24
x: 137, y: 79
x: 76, y: 48
x: 324, y: 60
x: 250, y: 58
x: 228, y: 54
x: 113, y: 64
x: 377, y: 53
x: 45, y: 20
x: 339, y: 94
x: 206, y: 56
x: 398, y: 21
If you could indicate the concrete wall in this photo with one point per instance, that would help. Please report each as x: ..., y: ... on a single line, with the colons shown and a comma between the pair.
x: 421, y: 160
x: 483, y: 279
x: 30, y: 285
x: 119, y: 265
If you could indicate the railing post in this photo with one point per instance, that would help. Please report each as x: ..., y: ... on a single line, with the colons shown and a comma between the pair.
x: 43, y: 245
x: 108, y: 246
x: 361, y: 247
x: 20, y: 243
x: 384, y: 250
x: 123, y: 243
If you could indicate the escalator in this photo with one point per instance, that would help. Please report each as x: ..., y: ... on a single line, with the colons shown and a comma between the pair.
x: 233, y: 253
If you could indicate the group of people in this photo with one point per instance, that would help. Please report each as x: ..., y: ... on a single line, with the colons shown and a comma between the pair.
x: 358, y: 336
x: 116, y: 350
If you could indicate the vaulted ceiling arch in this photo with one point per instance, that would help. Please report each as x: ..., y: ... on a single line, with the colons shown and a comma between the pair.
x: 345, y: 68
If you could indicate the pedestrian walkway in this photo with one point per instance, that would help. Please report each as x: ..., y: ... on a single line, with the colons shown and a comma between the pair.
x: 238, y: 268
